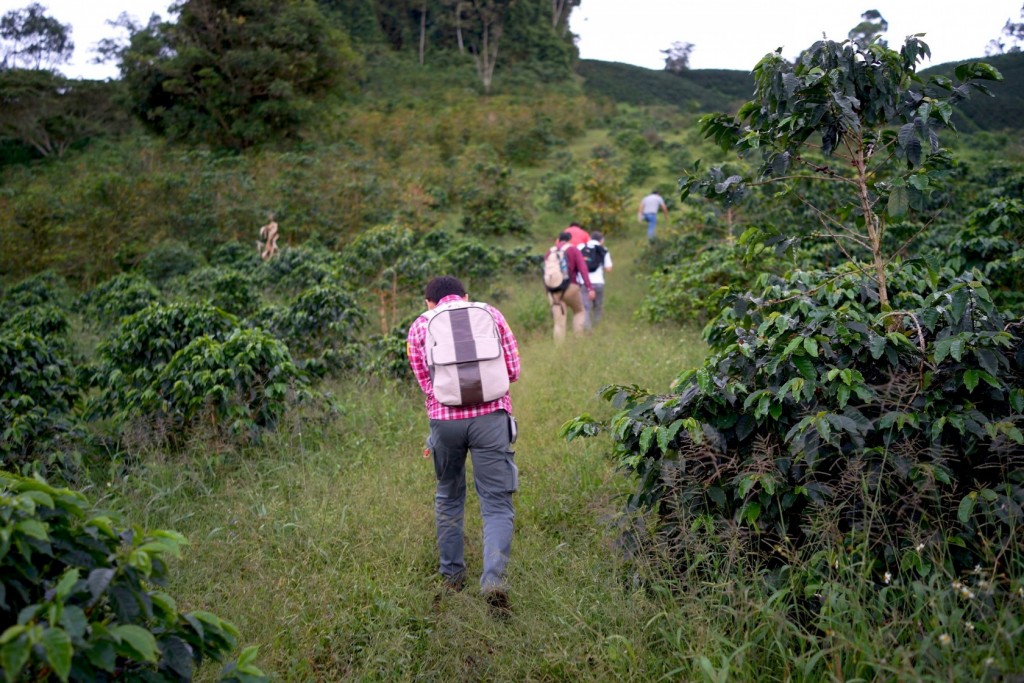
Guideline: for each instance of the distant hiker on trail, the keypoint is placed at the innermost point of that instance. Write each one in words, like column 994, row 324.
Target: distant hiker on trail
column 648, row 211
column 268, row 235
column 464, row 356
column 599, row 262
column 579, row 235
column 565, row 272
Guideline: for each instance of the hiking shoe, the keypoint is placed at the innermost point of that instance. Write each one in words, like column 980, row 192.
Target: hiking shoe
column 454, row 584
column 498, row 604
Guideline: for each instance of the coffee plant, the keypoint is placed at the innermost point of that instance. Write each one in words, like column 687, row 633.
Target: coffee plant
column 226, row 288
column 37, row 394
column 390, row 263
column 692, row 285
column 992, row 243
column 132, row 359
column 601, row 197
column 495, row 204
column 45, row 288
column 236, row 255
column 877, row 122
column 295, row 269
column 120, row 296
column 819, row 417
column 238, row 386
column 321, row 320
column 83, row 598
column 45, row 321
column 167, row 260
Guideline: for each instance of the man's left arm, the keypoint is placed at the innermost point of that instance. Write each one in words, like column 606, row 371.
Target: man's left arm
column 417, row 355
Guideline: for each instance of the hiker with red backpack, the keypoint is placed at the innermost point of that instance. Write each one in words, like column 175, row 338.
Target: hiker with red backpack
column 464, row 356
column 564, row 270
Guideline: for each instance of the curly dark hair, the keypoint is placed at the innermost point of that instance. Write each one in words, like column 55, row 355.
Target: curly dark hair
column 442, row 286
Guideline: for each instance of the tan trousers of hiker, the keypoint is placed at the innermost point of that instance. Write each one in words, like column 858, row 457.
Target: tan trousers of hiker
column 560, row 301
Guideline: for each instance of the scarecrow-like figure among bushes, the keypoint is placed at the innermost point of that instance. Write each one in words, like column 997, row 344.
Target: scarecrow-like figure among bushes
column 268, row 235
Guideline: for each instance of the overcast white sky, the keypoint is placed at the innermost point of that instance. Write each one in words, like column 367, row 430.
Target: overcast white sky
column 735, row 34
column 731, row 34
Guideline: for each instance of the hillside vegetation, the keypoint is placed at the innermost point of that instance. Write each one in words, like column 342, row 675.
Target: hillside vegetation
column 698, row 90
column 793, row 449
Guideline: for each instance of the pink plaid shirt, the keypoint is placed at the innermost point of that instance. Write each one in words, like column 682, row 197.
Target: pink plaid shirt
column 415, row 349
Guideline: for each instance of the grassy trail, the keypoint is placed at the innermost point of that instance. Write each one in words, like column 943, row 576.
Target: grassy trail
column 320, row 548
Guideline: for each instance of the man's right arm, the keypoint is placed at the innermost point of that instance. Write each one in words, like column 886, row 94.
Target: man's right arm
column 508, row 344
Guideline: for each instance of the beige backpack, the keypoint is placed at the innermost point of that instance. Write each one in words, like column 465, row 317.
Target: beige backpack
column 464, row 354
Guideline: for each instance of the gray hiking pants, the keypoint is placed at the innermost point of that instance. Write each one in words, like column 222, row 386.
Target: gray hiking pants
column 495, row 478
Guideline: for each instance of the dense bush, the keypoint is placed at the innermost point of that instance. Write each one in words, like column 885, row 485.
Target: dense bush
column 238, row 386
column 82, row 597
column 295, row 269
column 559, row 189
column 133, row 357
column 495, row 204
column 386, row 353
column 46, row 287
column 120, row 296
column 600, row 199
column 691, row 289
column 529, row 145
column 46, row 321
column 37, row 393
column 167, row 260
column 234, row 254
column 992, row 242
column 319, row 319
column 817, row 417
column 226, row 288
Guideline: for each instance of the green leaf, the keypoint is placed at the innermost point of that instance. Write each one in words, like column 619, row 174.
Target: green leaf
column 57, row 649
column 805, row 367
column 971, row 378
column 141, row 641
column 33, row 528
column 966, row 507
column 751, row 512
column 13, row 655
column 66, row 584
column 746, row 483
column 811, row 346
column 1017, row 400
column 646, row 436
column 899, row 201
column 877, row 346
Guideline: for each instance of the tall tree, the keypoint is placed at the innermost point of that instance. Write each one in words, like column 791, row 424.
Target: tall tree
column 871, row 27
column 531, row 42
column 857, row 118
column 357, row 17
column 1011, row 40
column 486, row 23
column 50, row 113
column 560, row 11
column 33, row 40
column 233, row 73
column 677, row 57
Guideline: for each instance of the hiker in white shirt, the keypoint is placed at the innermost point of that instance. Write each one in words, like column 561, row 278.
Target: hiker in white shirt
column 648, row 211
column 595, row 307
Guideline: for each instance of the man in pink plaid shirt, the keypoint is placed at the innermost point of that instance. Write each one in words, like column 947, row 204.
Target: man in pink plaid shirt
column 486, row 431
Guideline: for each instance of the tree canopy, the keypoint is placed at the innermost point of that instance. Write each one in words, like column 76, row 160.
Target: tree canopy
column 234, row 73
column 33, row 40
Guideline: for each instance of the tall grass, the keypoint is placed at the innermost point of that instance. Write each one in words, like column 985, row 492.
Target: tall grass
column 319, row 545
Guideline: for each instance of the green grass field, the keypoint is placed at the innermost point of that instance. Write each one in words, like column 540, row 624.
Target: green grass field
column 320, row 548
